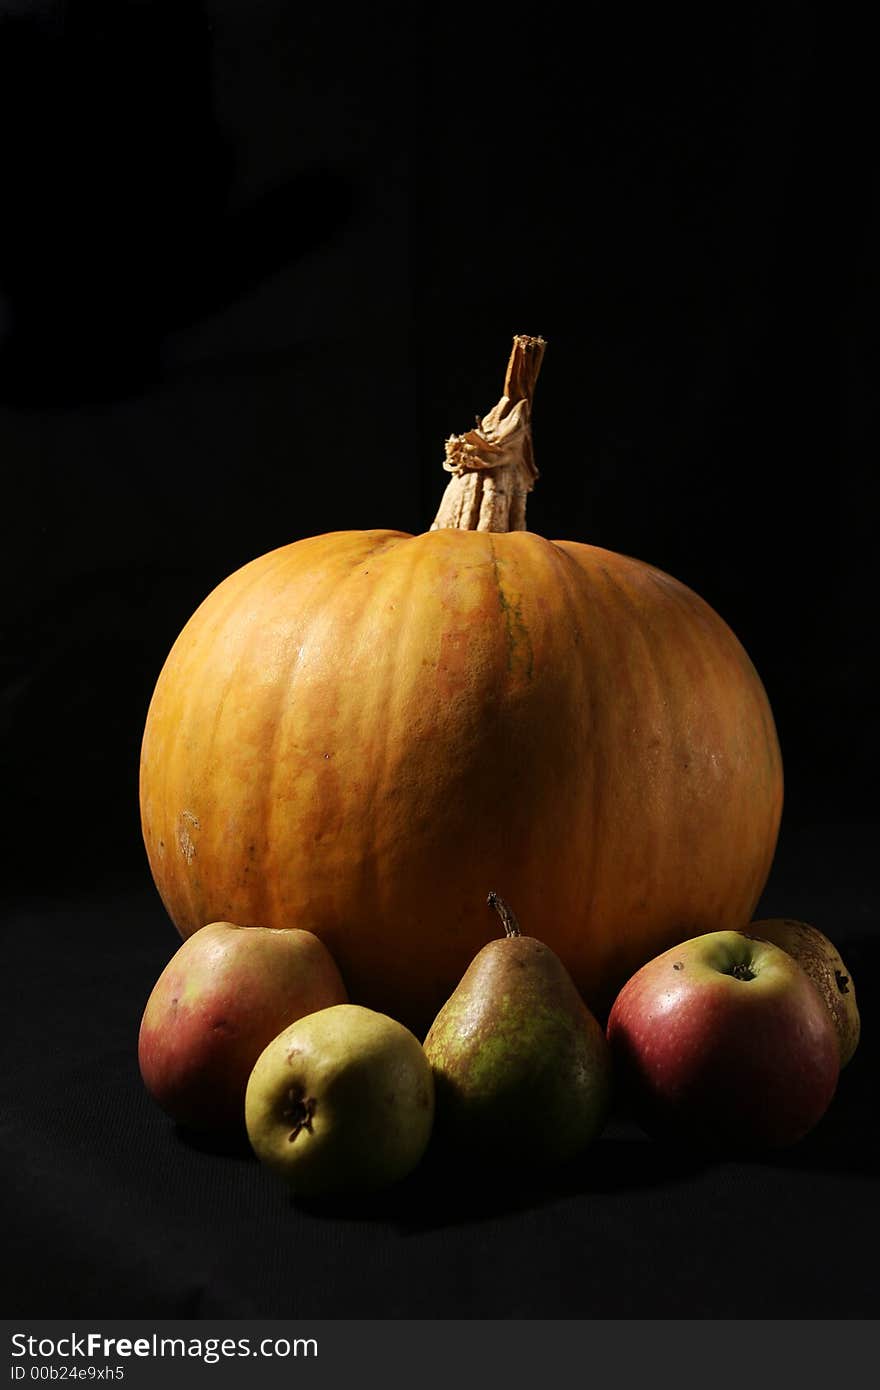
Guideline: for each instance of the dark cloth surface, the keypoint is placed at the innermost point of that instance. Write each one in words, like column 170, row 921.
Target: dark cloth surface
column 106, row 1209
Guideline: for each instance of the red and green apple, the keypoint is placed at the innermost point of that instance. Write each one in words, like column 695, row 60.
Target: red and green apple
column 223, row 996
column 726, row 1042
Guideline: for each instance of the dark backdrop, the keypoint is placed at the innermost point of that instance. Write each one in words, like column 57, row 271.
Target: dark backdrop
column 258, row 260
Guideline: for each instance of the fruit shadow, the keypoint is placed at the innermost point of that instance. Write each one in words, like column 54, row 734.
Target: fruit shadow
column 442, row 1192
column 234, row 1144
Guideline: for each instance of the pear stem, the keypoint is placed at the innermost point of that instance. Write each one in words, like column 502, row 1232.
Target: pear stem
column 511, row 925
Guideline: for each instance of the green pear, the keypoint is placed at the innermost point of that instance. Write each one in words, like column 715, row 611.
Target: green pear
column 522, row 1069
column 342, row 1100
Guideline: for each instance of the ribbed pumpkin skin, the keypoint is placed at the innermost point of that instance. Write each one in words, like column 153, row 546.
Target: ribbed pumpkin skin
column 362, row 733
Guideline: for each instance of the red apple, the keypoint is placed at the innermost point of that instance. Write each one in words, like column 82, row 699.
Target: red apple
column 725, row 1041
column 221, row 999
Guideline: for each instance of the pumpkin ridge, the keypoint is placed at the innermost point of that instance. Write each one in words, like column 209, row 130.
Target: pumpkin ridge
column 670, row 734
column 212, row 909
column 518, row 640
column 225, row 902
column 598, row 581
column 396, row 585
column 323, row 599
column 182, row 653
column 576, row 589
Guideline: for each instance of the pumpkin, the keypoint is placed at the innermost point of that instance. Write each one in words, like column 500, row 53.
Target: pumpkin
column 361, row 734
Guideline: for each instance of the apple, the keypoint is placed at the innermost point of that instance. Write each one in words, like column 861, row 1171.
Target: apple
column 225, row 993
column 724, row 1041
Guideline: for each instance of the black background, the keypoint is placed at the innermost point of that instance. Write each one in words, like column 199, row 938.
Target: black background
column 256, row 262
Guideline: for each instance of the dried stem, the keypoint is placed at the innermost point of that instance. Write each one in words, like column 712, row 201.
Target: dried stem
column 493, row 465
column 511, row 925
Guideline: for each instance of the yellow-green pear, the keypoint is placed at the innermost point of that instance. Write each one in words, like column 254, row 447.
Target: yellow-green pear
column 342, row 1100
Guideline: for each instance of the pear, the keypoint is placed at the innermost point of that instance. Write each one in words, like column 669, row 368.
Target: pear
column 522, row 1069
column 822, row 961
column 341, row 1101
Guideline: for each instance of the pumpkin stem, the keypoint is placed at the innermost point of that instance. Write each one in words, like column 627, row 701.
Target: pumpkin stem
column 493, row 465
column 511, row 925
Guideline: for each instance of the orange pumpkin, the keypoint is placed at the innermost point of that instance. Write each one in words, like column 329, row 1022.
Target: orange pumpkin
column 362, row 733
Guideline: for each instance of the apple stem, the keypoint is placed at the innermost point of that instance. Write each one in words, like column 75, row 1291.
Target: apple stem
column 742, row 972
column 511, row 925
